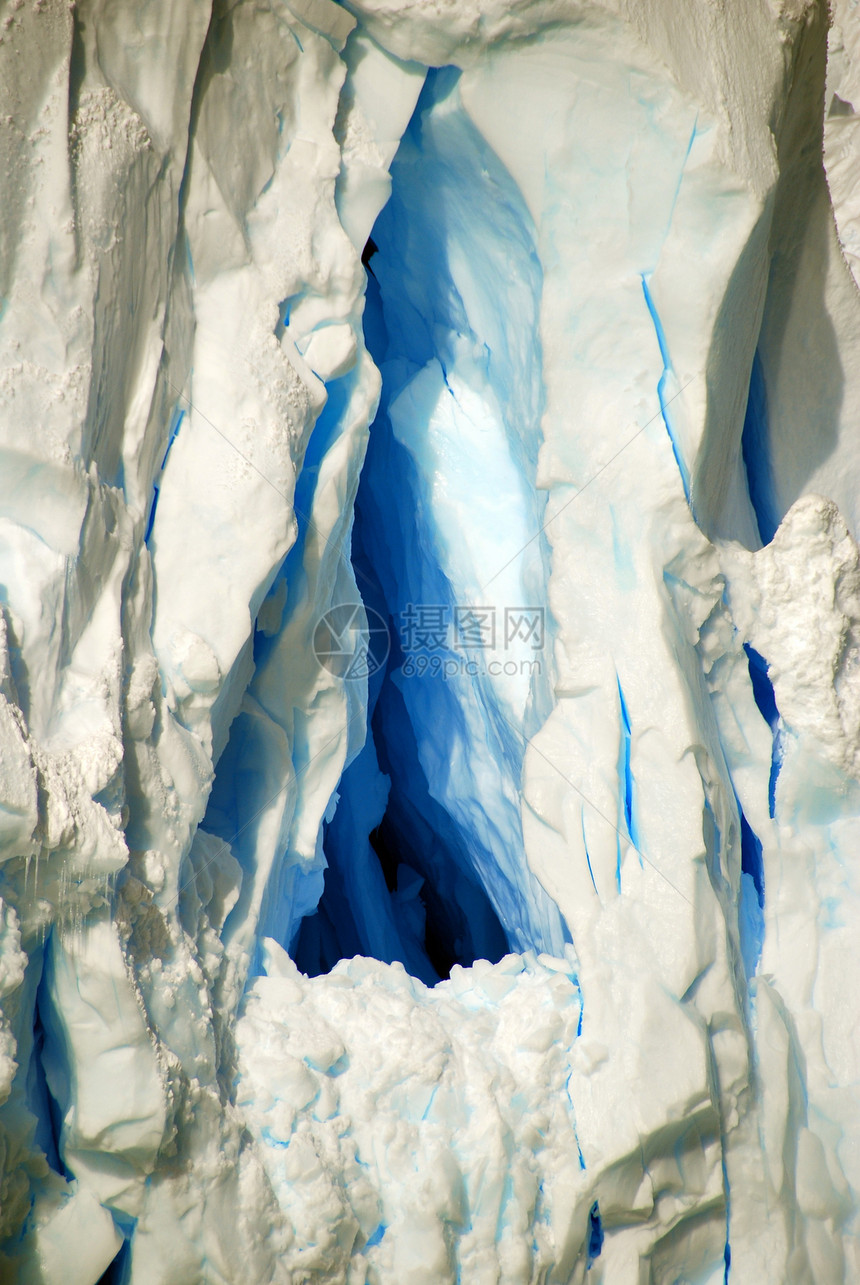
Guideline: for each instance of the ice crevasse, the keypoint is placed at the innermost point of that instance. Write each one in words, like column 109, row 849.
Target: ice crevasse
column 429, row 642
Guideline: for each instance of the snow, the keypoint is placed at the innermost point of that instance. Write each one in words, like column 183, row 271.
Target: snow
column 510, row 343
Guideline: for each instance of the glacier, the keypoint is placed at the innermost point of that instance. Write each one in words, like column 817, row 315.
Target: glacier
column 429, row 642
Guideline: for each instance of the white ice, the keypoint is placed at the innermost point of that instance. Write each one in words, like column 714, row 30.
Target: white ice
column 602, row 365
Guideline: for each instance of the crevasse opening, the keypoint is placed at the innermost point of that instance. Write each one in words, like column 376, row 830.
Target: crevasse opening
column 424, row 851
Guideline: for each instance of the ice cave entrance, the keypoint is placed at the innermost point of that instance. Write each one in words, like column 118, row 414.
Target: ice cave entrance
column 424, row 852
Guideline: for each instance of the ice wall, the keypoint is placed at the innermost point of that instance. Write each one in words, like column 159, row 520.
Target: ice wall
column 447, row 497
column 599, row 366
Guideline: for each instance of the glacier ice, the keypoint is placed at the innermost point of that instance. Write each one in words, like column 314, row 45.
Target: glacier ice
column 507, row 346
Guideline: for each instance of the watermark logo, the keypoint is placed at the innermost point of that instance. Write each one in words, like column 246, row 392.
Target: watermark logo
column 439, row 641
column 525, row 625
column 448, row 666
column 351, row 641
column 433, row 627
column 436, row 640
column 424, row 627
column 475, row 628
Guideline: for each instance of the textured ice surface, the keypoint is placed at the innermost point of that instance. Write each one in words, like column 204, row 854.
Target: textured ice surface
column 514, row 959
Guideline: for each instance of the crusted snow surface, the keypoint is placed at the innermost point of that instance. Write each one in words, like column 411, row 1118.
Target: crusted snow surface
column 448, row 1145
column 430, row 1134
column 534, row 967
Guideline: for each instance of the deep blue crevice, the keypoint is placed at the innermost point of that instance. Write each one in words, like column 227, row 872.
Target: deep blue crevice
column 727, row 1248
column 626, row 771
column 587, row 857
column 751, row 897
column 627, row 785
column 376, row 1236
column 461, row 924
column 765, row 699
column 283, row 321
column 752, row 887
column 49, row 1116
column 151, row 520
column 661, row 386
column 751, row 858
column 762, row 687
column 175, row 425
column 119, row 1271
column 398, row 885
column 755, row 449
column 595, row 1235
column 410, row 874
column 420, row 868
